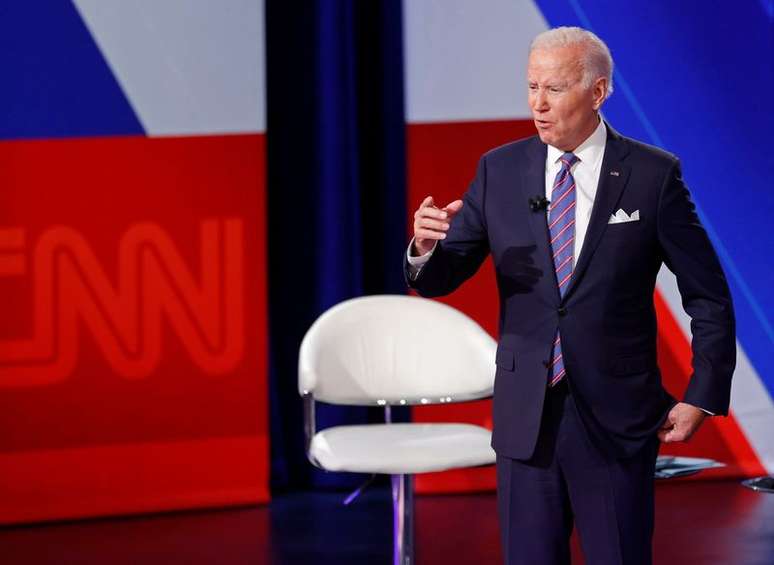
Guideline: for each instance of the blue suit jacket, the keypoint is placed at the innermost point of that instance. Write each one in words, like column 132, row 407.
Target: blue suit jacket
column 607, row 317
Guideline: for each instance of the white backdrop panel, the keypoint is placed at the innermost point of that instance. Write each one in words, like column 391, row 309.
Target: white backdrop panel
column 466, row 60
column 187, row 66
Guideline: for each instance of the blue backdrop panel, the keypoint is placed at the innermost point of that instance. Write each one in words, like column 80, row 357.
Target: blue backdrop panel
column 696, row 78
column 336, row 158
column 62, row 86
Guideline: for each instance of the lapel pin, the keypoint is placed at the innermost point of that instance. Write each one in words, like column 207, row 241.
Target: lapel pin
column 615, row 174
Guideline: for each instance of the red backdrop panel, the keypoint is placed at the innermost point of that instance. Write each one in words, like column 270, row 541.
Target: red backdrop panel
column 133, row 335
column 442, row 161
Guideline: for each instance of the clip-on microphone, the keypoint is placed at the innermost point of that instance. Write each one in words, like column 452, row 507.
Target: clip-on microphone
column 538, row 203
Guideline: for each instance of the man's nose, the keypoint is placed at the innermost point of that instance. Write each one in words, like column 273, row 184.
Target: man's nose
column 539, row 101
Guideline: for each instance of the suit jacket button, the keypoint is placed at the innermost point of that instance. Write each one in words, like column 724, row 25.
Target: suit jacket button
column 562, row 311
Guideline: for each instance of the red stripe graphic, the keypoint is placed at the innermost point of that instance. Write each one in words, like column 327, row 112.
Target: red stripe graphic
column 444, row 155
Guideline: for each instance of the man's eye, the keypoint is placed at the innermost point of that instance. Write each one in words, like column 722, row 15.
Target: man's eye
column 533, row 87
column 555, row 89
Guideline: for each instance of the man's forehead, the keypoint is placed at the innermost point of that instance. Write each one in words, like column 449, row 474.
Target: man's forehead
column 562, row 60
column 565, row 52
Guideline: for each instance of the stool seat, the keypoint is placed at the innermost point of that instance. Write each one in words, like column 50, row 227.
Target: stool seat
column 402, row 448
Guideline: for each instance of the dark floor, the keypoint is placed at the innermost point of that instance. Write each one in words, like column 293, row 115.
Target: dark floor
column 697, row 523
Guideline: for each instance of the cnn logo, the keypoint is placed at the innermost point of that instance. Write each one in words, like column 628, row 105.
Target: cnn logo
column 71, row 291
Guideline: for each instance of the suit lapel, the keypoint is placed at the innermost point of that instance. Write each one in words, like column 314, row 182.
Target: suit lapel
column 613, row 177
column 533, row 183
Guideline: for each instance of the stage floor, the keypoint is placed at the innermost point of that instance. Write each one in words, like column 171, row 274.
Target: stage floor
column 696, row 523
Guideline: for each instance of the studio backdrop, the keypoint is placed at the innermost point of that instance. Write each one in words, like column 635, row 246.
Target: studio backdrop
column 133, row 340
column 186, row 185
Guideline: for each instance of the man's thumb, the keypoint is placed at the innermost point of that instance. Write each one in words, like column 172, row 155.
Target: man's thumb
column 453, row 207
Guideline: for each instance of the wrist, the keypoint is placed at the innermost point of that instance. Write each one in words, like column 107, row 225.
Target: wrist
column 421, row 247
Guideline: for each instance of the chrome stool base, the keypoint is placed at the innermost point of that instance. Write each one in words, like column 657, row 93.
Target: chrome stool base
column 761, row 484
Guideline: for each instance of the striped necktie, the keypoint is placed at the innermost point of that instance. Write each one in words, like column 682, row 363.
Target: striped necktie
column 561, row 229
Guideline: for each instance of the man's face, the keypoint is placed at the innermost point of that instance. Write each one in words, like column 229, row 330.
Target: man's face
column 564, row 111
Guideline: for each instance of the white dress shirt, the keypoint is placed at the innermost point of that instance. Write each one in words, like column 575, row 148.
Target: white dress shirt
column 586, row 174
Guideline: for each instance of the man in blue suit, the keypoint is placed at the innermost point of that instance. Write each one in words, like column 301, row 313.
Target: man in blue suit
column 579, row 220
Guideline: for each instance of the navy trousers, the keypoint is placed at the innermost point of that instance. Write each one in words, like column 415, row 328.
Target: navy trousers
column 567, row 482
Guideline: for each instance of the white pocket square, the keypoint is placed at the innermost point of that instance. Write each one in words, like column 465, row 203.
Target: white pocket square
column 621, row 217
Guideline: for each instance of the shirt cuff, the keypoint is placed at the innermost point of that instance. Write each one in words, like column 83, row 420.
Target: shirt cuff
column 415, row 263
column 418, row 261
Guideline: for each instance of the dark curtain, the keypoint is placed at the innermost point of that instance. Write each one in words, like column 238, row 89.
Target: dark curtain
column 336, row 191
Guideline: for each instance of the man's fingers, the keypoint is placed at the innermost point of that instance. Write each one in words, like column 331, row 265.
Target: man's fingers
column 670, row 436
column 428, row 234
column 429, row 223
column 677, row 435
column 428, row 212
column 674, row 434
column 665, row 432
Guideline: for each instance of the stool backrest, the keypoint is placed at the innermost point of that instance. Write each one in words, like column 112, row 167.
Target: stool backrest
column 394, row 349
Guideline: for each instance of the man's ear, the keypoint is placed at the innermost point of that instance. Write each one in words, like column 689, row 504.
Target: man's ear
column 599, row 92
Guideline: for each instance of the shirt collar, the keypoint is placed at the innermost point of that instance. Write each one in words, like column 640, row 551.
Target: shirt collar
column 589, row 152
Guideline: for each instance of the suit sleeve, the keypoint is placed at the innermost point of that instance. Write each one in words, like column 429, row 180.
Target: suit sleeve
column 458, row 257
column 689, row 254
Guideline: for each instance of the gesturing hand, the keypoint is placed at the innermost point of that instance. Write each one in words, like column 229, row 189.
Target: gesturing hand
column 431, row 223
column 681, row 423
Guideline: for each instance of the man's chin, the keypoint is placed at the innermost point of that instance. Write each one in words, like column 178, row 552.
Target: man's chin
column 553, row 140
column 546, row 137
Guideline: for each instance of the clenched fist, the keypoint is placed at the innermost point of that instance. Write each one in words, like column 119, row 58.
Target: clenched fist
column 431, row 223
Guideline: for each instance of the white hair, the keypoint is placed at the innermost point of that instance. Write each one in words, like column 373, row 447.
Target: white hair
column 596, row 59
